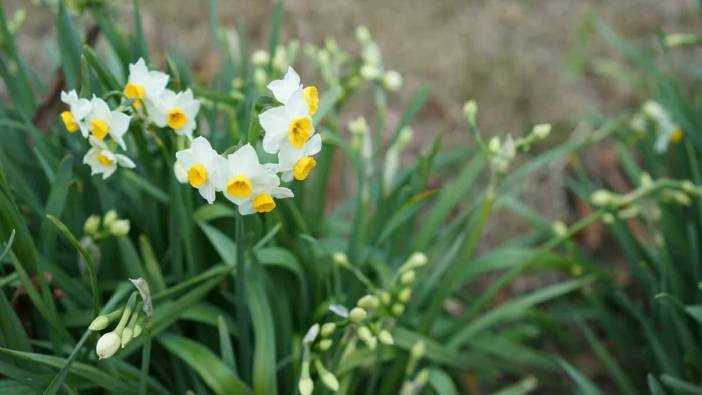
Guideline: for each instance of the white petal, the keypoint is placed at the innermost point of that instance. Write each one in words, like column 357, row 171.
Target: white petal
column 246, row 208
column 207, row 191
column 313, row 145
column 118, row 127
column 297, row 104
column 80, row 109
column 124, row 161
column 282, row 89
column 274, row 122
column 108, row 170
column 282, row 193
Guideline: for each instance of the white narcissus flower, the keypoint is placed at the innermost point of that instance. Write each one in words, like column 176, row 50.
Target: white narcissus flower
column 143, row 84
column 101, row 121
column 200, row 163
column 177, row 111
column 249, row 184
column 78, row 109
column 292, row 121
column 297, row 163
column 667, row 130
column 103, row 161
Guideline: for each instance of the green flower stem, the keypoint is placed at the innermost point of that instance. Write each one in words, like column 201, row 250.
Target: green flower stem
column 242, row 316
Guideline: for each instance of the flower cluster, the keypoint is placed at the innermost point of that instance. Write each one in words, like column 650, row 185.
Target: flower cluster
column 370, row 321
column 145, row 97
column 240, row 176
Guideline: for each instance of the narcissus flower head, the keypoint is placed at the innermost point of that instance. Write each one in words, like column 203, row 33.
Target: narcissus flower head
column 103, row 161
column 78, row 110
column 297, row 163
column 247, row 183
column 292, row 122
column 177, row 111
column 101, row 122
column 108, row 344
column 200, row 163
column 144, row 84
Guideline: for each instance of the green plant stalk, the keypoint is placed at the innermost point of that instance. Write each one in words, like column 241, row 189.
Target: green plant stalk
column 453, row 275
column 242, row 313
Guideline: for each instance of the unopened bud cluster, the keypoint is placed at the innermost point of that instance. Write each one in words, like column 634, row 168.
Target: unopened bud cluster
column 109, row 225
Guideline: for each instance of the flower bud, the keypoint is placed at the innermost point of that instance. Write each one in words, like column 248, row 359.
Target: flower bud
column 306, row 386
column 363, row 34
column 126, row 336
column 260, row 58
column 418, row 350
column 109, row 218
column 341, row 260
column 601, row 198
column 358, row 314
column 325, row 344
column 645, row 181
column 92, row 224
column 328, row 329
column 137, row 330
column 404, row 295
column 688, row 186
column 311, row 334
column 386, row 338
column 398, row 309
column 418, row 259
column 107, row 345
column 494, row 145
column 385, row 297
column 541, row 131
column 370, row 72
column 119, row 227
column 260, row 77
column 408, row 278
column 365, row 334
column 358, row 126
column 326, row 376
column 470, row 110
column 392, row 80
column 608, row 218
column 369, row 302
column 559, row 228
column 99, row 323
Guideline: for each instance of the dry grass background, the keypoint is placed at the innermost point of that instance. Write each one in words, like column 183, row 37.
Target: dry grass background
column 509, row 55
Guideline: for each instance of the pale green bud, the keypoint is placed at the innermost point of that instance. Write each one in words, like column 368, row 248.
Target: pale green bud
column 398, row 309
column 678, row 39
column 260, row 58
column 404, row 295
column 364, row 333
column 328, row 329
column 494, row 145
column 341, row 259
column 363, row 34
column 608, row 218
column 107, row 345
column 392, row 80
column 386, row 338
column 119, row 227
column 324, row 344
column 306, row 386
column 358, row 314
column 370, row 71
column 559, row 228
column 688, row 186
column 137, row 330
column 109, row 218
column 126, row 336
column 422, row 377
column 326, row 376
column 359, row 126
column 681, row 198
column 260, row 76
column 408, row 278
column 418, row 350
column 418, row 259
column 92, row 224
column 601, row 198
column 470, row 110
column 99, row 323
column 369, row 302
column 541, row 131
column 385, row 297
